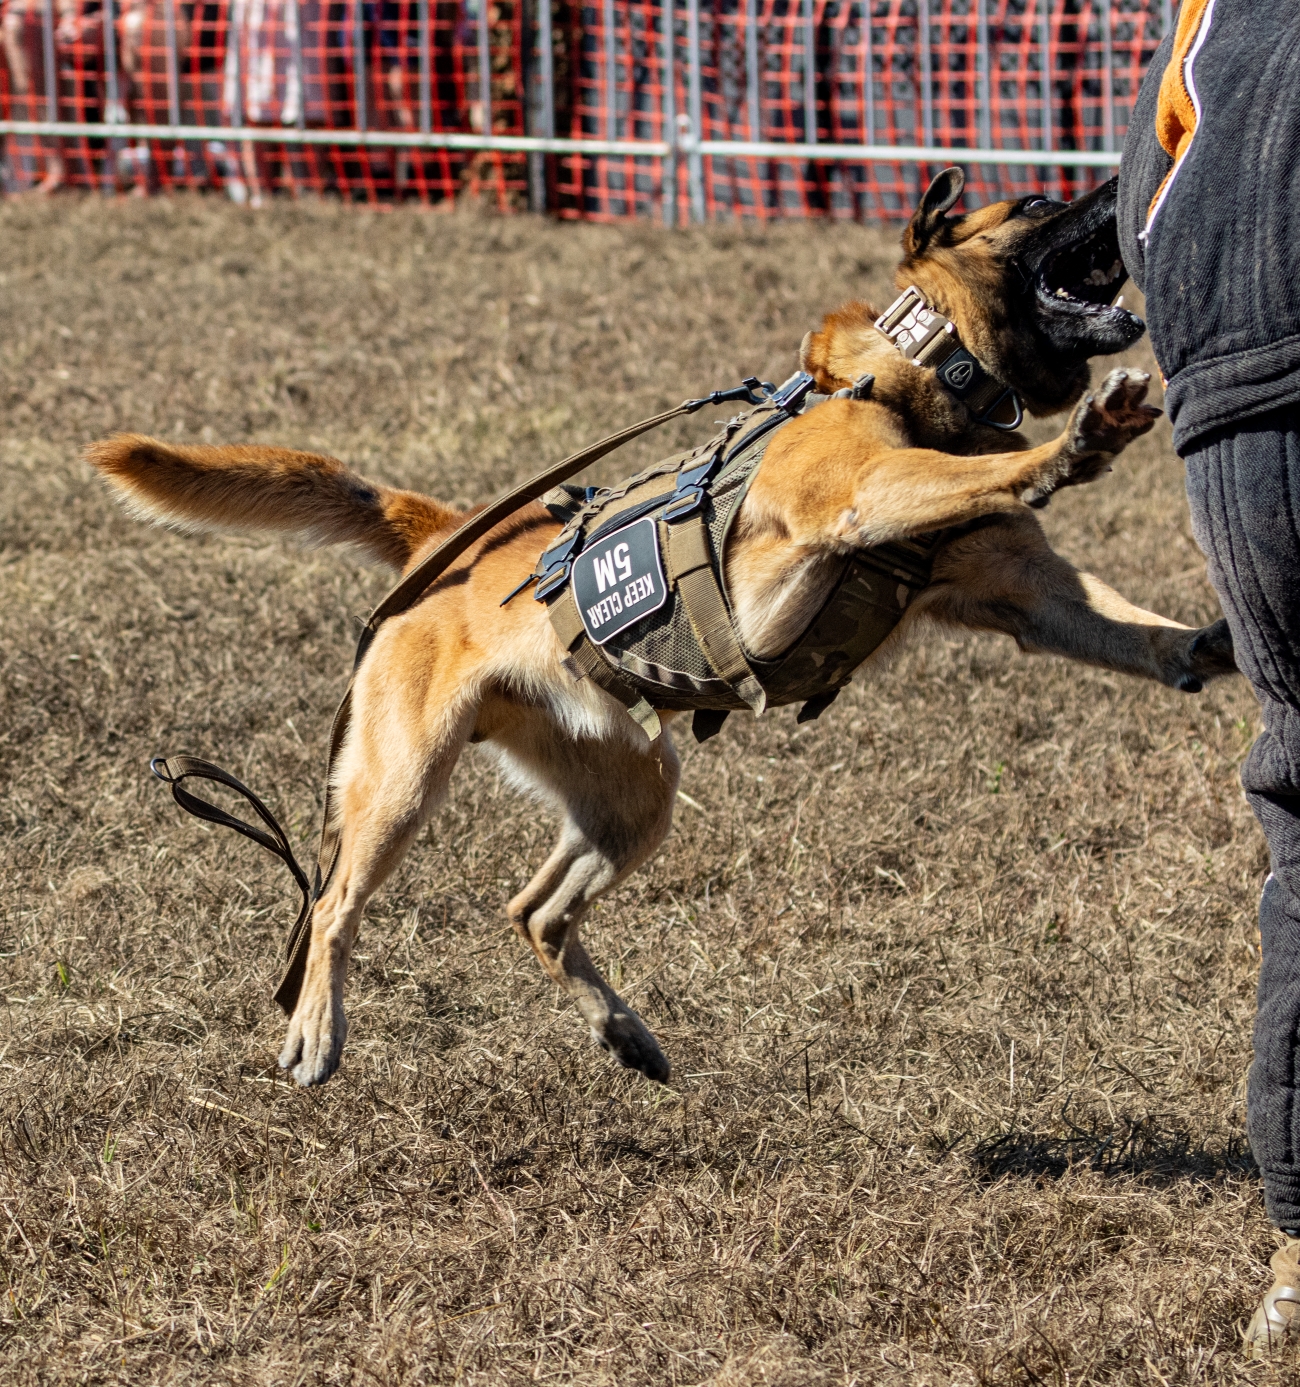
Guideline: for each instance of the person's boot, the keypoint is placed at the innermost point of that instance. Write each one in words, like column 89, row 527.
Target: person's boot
column 1277, row 1320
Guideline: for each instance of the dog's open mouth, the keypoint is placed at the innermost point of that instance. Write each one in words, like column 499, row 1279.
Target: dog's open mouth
column 1085, row 275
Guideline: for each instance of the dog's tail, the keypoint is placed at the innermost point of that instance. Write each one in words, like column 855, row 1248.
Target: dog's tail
column 246, row 487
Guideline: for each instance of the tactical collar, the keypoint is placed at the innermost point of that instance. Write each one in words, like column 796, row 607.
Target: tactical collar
column 927, row 338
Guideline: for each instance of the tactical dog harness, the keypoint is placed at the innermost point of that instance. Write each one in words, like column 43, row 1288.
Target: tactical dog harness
column 636, row 590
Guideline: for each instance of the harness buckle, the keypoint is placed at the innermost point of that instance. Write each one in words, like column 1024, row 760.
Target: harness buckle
column 557, row 553
column 552, row 581
column 686, row 501
column 792, row 392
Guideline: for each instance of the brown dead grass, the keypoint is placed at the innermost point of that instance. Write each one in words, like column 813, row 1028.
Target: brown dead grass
column 957, row 982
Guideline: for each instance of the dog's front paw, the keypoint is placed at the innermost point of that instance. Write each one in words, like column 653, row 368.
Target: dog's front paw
column 314, row 1043
column 1105, row 422
column 1209, row 655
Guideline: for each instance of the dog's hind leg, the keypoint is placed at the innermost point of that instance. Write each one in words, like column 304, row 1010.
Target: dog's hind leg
column 392, row 774
column 617, row 801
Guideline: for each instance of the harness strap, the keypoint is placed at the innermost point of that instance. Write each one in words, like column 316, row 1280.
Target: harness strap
column 690, row 567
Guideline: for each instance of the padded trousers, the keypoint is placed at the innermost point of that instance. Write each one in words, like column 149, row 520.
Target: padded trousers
column 1243, row 485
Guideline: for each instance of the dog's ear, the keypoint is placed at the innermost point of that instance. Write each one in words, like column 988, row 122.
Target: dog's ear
column 939, row 198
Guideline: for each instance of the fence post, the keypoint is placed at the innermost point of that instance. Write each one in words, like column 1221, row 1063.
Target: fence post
column 810, row 71
column 484, row 65
column 753, row 107
column 173, row 64
column 611, row 69
column 1045, row 67
column 1107, row 76
column 868, row 75
column 535, row 66
column 984, row 135
column 114, row 114
column 359, row 61
column 426, row 84
column 694, row 159
column 298, row 75
column 547, row 42
column 51, row 76
column 926, row 64
column 668, row 167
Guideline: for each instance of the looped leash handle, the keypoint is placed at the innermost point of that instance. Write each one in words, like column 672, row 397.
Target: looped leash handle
column 174, row 771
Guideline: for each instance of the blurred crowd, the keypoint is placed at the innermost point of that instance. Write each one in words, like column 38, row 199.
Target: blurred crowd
column 289, row 64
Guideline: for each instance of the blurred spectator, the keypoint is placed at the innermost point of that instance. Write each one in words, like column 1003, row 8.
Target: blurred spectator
column 143, row 88
column 31, row 74
column 398, row 101
column 277, row 60
column 145, row 75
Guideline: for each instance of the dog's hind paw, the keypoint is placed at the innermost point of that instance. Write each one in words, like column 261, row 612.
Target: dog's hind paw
column 627, row 1040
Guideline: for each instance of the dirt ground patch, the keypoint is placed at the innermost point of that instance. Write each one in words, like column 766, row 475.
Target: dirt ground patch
column 957, row 981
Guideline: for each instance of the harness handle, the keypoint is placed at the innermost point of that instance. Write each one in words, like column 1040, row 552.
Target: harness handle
column 400, row 598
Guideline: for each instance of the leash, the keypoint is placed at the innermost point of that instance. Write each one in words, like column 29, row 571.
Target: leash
column 174, row 771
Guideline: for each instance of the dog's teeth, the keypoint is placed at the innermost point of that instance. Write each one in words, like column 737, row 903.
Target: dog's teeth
column 1062, row 294
column 1119, row 302
column 1100, row 276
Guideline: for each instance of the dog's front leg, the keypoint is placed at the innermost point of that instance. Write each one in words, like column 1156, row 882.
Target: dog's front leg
column 844, row 478
column 1004, row 576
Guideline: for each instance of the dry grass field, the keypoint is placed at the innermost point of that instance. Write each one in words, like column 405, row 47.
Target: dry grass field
column 957, row 982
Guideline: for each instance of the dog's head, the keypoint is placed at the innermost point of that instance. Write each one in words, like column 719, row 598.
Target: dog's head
column 1029, row 283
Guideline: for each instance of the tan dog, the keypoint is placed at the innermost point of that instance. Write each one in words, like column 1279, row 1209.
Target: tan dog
column 1028, row 285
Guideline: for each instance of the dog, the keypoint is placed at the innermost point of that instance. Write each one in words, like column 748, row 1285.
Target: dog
column 1028, row 285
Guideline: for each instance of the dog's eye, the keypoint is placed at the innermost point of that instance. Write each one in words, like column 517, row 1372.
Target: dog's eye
column 1037, row 205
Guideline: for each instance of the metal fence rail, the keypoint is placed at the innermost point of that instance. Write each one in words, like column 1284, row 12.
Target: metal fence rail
column 678, row 109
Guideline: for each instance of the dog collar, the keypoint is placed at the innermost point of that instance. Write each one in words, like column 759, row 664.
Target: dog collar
column 927, row 338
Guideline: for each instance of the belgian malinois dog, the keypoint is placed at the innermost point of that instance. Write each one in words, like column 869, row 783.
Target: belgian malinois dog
column 1028, row 285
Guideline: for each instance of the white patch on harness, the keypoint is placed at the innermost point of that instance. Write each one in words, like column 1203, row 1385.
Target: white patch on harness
column 619, row 580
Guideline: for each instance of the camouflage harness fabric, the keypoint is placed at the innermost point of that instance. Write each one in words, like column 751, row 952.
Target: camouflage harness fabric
column 686, row 654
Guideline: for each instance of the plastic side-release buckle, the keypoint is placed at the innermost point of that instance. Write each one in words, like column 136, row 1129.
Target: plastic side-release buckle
column 685, row 502
column 790, row 394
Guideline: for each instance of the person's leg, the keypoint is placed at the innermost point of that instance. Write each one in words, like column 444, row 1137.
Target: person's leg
column 1244, row 492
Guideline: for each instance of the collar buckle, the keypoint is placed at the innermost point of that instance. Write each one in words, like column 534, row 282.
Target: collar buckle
column 926, row 338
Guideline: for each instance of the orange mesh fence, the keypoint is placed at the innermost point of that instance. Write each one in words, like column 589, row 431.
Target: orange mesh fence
column 1043, row 75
